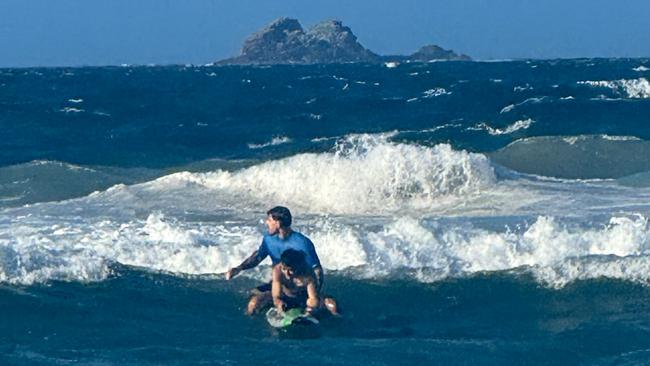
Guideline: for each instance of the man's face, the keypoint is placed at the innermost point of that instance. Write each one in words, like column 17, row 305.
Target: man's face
column 286, row 270
column 272, row 225
column 290, row 274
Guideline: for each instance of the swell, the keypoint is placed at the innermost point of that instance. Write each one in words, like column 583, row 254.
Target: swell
column 576, row 157
column 45, row 181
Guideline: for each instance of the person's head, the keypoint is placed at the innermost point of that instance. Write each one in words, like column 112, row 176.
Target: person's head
column 278, row 218
column 293, row 263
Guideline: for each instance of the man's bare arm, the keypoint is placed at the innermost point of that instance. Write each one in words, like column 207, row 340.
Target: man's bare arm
column 248, row 263
column 276, row 289
column 312, row 296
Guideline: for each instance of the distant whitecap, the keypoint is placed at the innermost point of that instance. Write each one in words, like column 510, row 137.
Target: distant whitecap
column 279, row 140
column 71, row 110
column 632, row 88
column 518, row 125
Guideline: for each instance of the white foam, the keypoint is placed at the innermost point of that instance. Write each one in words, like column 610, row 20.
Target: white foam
column 372, row 207
column 441, row 127
column 523, row 88
column 321, row 139
column 365, row 174
column 60, row 164
column 507, row 108
column 620, row 138
column 76, row 101
column 435, row 92
column 391, row 65
column 71, row 110
column 516, row 126
column 278, row 140
column 34, row 250
column 573, row 139
column 555, row 254
column 633, row 88
column 82, row 242
column 641, row 68
column 534, row 100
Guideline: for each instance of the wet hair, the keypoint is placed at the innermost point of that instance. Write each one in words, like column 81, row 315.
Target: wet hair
column 295, row 259
column 281, row 214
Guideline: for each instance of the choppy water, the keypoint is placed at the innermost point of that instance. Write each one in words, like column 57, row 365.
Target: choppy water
column 466, row 212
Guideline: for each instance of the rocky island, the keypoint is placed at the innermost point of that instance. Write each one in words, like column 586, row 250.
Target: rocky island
column 284, row 41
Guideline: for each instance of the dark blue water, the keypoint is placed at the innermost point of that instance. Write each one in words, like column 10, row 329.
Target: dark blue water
column 149, row 319
column 467, row 213
column 169, row 116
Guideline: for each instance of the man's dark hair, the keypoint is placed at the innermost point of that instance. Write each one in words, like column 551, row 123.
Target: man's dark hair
column 281, row 214
column 295, row 259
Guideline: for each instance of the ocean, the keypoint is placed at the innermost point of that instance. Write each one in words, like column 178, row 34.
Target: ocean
column 466, row 213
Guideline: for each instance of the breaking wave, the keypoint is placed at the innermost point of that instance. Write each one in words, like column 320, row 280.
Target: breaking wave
column 424, row 250
column 365, row 174
column 629, row 88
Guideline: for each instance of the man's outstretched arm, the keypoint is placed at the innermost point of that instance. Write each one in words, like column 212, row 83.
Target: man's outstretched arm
column 248, row 263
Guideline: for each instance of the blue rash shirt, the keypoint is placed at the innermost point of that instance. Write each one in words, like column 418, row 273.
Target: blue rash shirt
column 273, row 246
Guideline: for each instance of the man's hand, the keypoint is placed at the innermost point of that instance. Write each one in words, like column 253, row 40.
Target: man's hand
column 249, row 262
column 280, row 305
column 309, row 311
column 232, row 272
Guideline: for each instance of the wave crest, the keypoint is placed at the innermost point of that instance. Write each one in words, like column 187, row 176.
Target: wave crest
column 364, row 174
column 632, row 88
column 424, row 250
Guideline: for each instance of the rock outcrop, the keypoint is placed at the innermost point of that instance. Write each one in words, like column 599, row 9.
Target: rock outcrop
column 433, row 52
column 285, row 42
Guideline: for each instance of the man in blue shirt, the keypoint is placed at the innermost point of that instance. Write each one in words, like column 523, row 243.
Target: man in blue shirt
column 280, row 237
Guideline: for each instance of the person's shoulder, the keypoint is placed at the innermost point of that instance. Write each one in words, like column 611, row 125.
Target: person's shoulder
column 307, row 241
column 270, row 240
column 268, row 237
column 276, row 273
column 301, row 236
